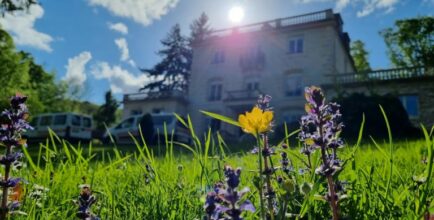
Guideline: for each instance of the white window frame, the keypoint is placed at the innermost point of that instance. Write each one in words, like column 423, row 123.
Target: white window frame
column 294, row 46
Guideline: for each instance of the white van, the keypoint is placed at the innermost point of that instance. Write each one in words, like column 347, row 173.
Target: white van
column 121, row 132
column 69, row 126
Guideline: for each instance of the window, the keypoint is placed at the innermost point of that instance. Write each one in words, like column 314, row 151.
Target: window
column 252, row 59
column 59, row 119
column 127, row 123
column 296, row 45
column 45, row 121
column 411, row 105
column 34, row 122
column 161, row 120
column 157, row 110
column 136, row 112
column 253, row 86
column 215, row 92
column 219, row 57
column 294, row 86
column 76, row 120
column 87, row 122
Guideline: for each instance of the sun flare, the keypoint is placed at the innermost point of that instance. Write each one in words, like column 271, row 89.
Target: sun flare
column 236, row 14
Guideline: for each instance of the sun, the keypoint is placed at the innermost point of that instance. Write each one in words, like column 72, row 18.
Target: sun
column 236, row 14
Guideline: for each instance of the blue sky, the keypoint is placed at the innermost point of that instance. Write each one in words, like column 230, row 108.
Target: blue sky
column 100, row 44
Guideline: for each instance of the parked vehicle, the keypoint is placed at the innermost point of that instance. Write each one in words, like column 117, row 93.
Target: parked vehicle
column 69, row 126
column 121, row 132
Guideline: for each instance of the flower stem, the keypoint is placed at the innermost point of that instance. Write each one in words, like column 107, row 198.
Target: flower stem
column 4, row 204
column 267, row 177
column 261, row 200
column 333, row 200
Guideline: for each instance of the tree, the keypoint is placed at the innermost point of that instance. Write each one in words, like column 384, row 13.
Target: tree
column 14, row 5
column 360, row 56
column 411, row 42
column 173, row 72
column 14, row 72
column 199, row 28
column 106, row 113
column 42, row 83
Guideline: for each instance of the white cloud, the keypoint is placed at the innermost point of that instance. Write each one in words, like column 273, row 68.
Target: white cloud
column 75, row 70
column 372, row 5
column 341, row 4
column 125, row 53
column 123, row 46
column 119, row 27
column 141, row 11
column 21, row 26
column 121, row 80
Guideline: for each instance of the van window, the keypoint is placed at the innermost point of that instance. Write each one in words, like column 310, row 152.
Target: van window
column 75, row 120
column 45, row 120
column 159, row 120
column 59, row 119
column 34, row 121
column 128, row 123
column 86, row 122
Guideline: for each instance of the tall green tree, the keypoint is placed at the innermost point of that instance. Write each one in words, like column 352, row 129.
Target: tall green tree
column 50, row 94
column 411, row 42
column 14, row 72
column 20, row 74
column 360, row 56
column 173, row 72
column 200, row 28
column 106, row 113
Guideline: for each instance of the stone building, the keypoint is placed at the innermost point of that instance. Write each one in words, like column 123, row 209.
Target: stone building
column 279, row 57
column 413, row 86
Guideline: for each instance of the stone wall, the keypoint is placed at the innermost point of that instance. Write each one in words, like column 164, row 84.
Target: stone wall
column 421, row 87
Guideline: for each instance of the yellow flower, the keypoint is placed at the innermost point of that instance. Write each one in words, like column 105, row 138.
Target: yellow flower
column 256, row 121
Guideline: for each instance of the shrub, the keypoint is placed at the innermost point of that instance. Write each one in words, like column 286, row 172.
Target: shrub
column 147, row 126
column 357, row 104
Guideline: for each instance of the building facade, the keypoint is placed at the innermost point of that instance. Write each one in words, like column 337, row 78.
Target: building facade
column 279, row 58
column 231, row 67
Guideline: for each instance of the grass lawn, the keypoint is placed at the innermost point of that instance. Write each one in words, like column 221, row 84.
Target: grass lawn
column 133, row 182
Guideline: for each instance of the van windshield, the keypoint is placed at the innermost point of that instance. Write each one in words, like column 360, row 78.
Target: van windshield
column 59, row 119
column 45, row 121
column 159, row 120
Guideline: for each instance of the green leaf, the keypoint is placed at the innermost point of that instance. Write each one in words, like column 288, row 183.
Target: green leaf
column 221, row 118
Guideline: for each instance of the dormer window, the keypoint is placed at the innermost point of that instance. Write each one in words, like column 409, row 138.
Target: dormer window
column 295, row 45
column 219, row 57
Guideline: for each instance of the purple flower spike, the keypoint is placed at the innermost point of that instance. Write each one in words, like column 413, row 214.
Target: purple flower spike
column 225, row 202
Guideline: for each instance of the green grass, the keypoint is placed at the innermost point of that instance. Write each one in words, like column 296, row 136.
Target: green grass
column 182, row 175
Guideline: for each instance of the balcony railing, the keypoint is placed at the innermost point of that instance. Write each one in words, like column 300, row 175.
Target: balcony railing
column 277, row 23
column 383, row 75
column 241, row 95
column 154, row 95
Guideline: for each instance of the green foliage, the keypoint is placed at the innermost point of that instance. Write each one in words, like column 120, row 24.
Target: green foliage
column 360, row 56
column 20, row 73
column 106, row 113
column 411, row 42
column 140, row 184
column 199, row 28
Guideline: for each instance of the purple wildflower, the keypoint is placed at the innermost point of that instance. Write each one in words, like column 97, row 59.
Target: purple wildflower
column 226, row 201
column 320, row 129
column 84, row 202
column 14, row 124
